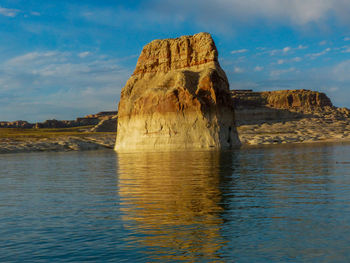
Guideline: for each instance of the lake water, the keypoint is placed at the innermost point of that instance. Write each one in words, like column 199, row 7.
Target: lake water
column 268, row 204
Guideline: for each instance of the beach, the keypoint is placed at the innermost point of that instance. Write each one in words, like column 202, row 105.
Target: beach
column 53, row 140
column 305, row 130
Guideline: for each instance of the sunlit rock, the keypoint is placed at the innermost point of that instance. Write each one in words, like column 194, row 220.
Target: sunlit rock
column 177, row 98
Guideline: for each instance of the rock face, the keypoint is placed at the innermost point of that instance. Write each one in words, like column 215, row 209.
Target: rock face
column 16, row 124
column 282, row 99
column 296, row 99
column 106, row 124
column 102, row 114
column 258, row 107
column 177, row 98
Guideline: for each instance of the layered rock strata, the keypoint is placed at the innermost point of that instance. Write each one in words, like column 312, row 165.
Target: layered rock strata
column 105, row 120
column 107, row 124
column 177, row 98
column 276, row 106
column 289, row 116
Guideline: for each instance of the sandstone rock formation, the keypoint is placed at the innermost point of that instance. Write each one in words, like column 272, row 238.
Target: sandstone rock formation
column 16, row 124
column 88, row 120
column 296, row 99
column 258, row 107
column 106, row 124
column 177, row 98
column 282, row 99
column 102, row 114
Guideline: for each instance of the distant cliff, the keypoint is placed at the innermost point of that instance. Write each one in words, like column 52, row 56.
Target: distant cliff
column 258, row 107
column 104, row 120
column 282, row 99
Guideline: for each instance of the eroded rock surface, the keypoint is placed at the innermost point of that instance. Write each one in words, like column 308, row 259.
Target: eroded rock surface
column 289, row 116
column 177, row 98
column 283, row 105
column 106, row 124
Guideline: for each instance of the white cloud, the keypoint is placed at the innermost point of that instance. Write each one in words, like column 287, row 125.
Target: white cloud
column 291, row 12
column 59, row 81
column 346, row 50
column 322, row 43
column 297, row 59
column 84, row 54
column 333, row 89
column 302, row 47
column 239, row 51
column 286, row 49
column 341, row 71
column 33, row 57
column 238, row 70
column 346, row 38
column 258, row 68
column 316, row 55
column 9, row 12
column 280, row 61
column 277, row 73
column 35, row 13
column 274, row 52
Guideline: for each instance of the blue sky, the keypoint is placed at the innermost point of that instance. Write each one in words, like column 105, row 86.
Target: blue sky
column 64, row 59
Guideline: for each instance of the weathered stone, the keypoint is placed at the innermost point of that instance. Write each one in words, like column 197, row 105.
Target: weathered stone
column 297, row 99
column 277, row 106
column 102, row 114
column 282, row 99
column 177, row 98
column 16, row 124
column 55, row 124
column 107, row 124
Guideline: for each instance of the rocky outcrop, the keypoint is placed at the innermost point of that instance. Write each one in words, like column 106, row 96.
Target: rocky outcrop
column 177, row 98
column 107, row 124
column 55, row 124
column 88, row 120
column 297, row 99
column 16, row 124
column 102, row 114
column 282, row 99
column 258, row 107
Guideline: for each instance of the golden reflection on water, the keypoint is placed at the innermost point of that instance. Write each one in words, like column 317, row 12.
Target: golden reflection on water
column 173, row 200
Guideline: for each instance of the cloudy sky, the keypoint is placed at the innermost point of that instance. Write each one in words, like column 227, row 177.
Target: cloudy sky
column 62, row 59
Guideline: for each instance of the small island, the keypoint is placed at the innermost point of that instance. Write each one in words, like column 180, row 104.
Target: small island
column 177, row 98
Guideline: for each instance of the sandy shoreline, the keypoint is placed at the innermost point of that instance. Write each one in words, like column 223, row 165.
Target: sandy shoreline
column 306, row 130
column 61, row 143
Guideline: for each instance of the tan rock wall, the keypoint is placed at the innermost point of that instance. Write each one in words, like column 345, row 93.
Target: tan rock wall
column 278, row 106
column 177, row 98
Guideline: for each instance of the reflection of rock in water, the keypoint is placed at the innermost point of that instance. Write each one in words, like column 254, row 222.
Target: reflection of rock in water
column 175, row 201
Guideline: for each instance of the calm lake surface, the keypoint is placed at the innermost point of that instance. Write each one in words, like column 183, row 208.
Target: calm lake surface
column 269, row 204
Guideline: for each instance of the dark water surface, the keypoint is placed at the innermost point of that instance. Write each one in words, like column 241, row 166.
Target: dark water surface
column 272, row 204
